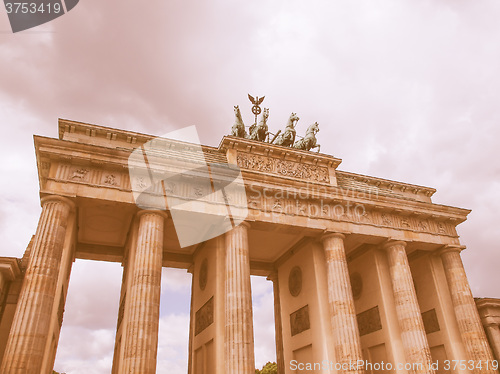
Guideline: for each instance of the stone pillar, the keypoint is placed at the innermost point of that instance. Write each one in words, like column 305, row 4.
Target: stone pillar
column 239, row 350
column 469, row 322
column 278, row 329
column 35, row 307
column 141, row 339
column 191, row 324
column 345, row 330
column 413, row 335
column 493, row 332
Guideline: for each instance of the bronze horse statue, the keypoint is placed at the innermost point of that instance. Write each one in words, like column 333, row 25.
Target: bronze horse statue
column 308, row 142
column 238, row 128
column 260, row 131
column 287, row 138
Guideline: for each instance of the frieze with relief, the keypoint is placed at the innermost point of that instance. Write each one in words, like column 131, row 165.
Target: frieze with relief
column 277, row 202
column 283, row 167
column 89, row 175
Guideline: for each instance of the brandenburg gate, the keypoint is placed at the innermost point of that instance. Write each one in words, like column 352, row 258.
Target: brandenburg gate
column 365, row 270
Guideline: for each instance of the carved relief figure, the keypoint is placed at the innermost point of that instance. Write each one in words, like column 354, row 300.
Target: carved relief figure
column 386, row 220
column 79, row 174
column 308, row 142
column 365, row 217
column 441, row 229
column 253, row 201
column 260, row 131
column 110, row 179
column 169, row 187
column 277, row 205
column 299, row 320
column 198, row 191
column 404, row 222
column 255, row 162
column 141, row 183
column 422, row 226
column 238, row 128
column 287, row 138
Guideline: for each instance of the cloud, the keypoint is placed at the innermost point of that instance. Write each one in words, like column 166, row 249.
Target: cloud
column 263, row 321
column 176, row 280
column 173, row 344
column 86, row 343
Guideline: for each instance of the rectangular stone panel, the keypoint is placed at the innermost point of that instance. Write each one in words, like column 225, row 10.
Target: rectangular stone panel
column 299, row 320
column 304, row 357
column 204, row 316
column 377, row 355
column 369, row 321
column 210, row 356
column 199, row 361
column 431, row 323
column 438, row 354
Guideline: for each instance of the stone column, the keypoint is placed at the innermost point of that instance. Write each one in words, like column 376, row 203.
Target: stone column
column 191, row 324
column 493, row 332
column 35, row 307
column 141, row 339
column 469, row 322
column 413, row 335
column 345, row 330
column 278, row 329
column 239, row 350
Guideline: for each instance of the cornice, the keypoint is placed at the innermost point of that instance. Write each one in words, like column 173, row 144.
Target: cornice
column 277, row 151
column 135, row 139
column 389, row 184
column 487, row 302
column 386, row 203
column 9, row 267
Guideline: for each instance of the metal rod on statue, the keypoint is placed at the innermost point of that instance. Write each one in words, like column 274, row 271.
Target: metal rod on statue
column 256, row 102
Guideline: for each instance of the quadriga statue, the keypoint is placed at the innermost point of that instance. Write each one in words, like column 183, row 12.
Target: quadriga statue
column 308, row 142
column 287, row 138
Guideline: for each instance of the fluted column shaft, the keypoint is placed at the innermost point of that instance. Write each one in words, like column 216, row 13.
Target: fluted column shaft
column 239, row 350
column 410, row 320
column 278, row 328
column 30, row 327
column 342, row 314
column 141, row 340
column 469, row 322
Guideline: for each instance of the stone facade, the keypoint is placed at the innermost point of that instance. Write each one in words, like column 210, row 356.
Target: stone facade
column 364, row 269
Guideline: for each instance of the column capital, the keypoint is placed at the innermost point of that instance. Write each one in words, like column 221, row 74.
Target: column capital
column 48, row 198
column 273, row 276
column 161, row 213
column 245, row 224
column 450, row 248
column 331, row 234
column 391, row 243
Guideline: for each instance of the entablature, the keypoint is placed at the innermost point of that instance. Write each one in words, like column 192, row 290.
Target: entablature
column 284, row 185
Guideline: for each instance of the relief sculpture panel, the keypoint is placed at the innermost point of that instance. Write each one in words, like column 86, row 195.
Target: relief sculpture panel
column 283, row 167
column 299, row 320
column 369, row 321
column 277, row 202
column 204, row 316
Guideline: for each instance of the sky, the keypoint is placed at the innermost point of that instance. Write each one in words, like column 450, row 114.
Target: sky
column 402, row 90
